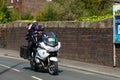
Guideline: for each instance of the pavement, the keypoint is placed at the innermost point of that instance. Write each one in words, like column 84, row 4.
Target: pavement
column 93, row 68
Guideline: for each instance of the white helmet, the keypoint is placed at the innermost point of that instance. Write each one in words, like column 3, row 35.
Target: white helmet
column 34, row 21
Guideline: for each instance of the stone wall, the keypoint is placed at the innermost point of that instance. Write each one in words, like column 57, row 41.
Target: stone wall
column 82, row 41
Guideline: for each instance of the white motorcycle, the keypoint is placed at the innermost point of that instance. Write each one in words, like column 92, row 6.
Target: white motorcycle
column 46, row 54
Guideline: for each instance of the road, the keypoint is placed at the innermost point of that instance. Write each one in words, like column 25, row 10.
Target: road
column 16, row 69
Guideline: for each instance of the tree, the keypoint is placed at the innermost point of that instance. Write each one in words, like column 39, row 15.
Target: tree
column 73, row 9
column 97, row 7
column 47, row 14
column 7, row 15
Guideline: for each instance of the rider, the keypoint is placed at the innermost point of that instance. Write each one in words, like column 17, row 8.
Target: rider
column 31, row 28
column 34, row 34
column 40, row 30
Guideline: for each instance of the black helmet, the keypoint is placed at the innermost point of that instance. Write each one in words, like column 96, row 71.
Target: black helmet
column 40, row 28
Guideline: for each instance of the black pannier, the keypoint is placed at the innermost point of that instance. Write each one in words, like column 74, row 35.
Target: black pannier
column 24, row 52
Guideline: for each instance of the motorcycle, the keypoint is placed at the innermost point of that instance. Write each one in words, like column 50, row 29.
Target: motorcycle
column 46, row 54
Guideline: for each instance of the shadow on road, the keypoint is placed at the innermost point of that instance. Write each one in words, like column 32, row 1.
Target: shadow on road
column 41, row 70
column 6, row 70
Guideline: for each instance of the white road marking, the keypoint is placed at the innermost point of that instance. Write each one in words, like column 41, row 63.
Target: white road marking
column 10, row 68
column 76, row 70
column 12, row 57
column 36, row 78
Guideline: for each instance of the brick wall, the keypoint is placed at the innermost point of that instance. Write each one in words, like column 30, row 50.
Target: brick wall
column 79, row 41
column 32, row 6
column 86, row 44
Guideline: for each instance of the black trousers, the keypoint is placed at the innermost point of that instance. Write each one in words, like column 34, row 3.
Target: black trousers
column 32, row 49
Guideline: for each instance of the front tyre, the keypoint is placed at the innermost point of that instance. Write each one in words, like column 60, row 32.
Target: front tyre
column 53, row 68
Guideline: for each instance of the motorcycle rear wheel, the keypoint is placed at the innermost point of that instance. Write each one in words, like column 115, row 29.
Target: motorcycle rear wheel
column 33, row 65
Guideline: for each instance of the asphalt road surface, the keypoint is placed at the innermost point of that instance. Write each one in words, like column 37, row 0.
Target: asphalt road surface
column 16, row 69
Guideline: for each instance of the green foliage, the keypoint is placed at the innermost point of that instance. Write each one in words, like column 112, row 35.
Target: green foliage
column 95, row 18
column 14, row 15
column 117, row 13
column 4, row 14
column 72, row 10
column 68, row 9
column 47, row 14
column 62, row 10
column 7, row 15
column 26, row 16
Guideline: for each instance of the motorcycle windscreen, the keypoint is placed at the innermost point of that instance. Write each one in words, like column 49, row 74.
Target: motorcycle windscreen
column 50, row 39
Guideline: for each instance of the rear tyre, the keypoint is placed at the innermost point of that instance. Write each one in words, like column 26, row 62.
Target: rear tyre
column 33, row 65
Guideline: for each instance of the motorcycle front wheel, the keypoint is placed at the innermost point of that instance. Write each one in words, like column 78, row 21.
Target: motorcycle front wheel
column 53, row 68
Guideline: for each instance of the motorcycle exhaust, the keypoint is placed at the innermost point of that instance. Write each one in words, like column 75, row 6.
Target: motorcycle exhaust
column 53, row 59
column 37, row 60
